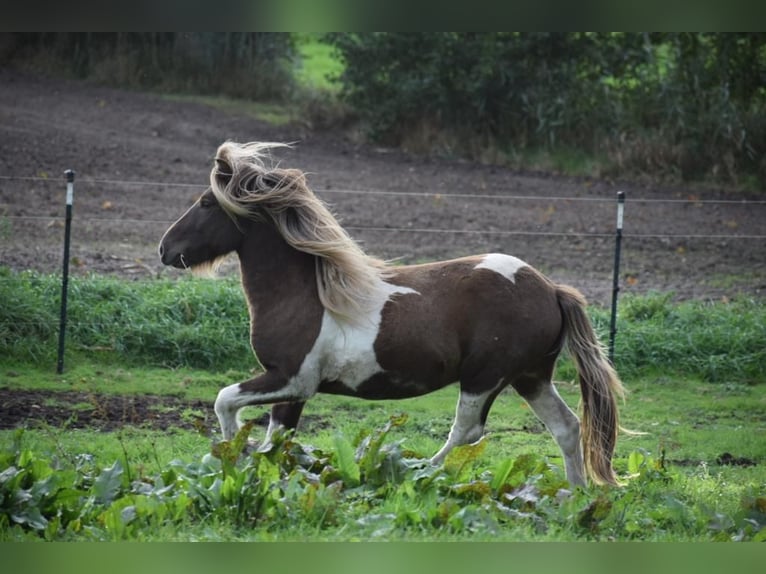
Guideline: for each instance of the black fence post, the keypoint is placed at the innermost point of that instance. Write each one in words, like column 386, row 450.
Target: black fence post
column 65, row 276
column 616, row 279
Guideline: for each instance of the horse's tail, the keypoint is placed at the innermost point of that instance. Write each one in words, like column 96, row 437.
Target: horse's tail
column 599, row 385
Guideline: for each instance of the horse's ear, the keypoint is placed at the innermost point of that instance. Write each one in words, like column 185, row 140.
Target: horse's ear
column 271, row 179
column 222, row 172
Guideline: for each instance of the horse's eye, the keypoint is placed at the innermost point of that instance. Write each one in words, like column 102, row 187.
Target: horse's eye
column 207, row 202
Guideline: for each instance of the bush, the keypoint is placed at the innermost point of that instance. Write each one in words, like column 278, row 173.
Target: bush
column 252, row 65
column 682, row 105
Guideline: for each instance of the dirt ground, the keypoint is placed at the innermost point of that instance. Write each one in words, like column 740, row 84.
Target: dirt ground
column 141, row 159
column 78, row 410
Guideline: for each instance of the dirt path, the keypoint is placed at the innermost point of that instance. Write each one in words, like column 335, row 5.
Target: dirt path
column 110, row 137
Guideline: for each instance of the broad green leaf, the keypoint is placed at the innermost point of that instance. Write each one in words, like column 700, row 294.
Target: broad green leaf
column 44, row 488
column 635, row 461
column 31, row 517
column 590, row 517
column 459, row 457
column 476, row 490
column 527, row 465
column 347, row 466
column 396, row 420
column 8, row 475
column 107, row 485
column 368, row 453
column 527, row 495
column 229, row 489
column 501, row 473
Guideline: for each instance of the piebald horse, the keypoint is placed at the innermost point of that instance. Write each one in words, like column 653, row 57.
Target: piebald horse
column 328, row 318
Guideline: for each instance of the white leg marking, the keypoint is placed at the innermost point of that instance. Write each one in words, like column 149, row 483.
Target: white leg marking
column 505, row 265
column 232, row 398
column 227, row 405
column 267, row 440
column 227, row 410
column 467, row 426
column 564, row 425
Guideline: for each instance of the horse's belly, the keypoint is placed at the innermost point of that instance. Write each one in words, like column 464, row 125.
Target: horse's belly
column 382, row 386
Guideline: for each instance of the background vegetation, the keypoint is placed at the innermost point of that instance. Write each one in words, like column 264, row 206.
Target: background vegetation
column 686, row 104
column 256, row 66
column 673, row 106
column 203, row 324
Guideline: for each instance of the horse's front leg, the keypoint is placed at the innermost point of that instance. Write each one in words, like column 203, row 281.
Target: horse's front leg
column 270, row 387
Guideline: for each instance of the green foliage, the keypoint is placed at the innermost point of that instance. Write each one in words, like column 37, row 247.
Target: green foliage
column 195, row 323
column 296, row 486
column 319, row 63
column 686, row 105
column 719, row 342
column 204, row 324
column 253, row 65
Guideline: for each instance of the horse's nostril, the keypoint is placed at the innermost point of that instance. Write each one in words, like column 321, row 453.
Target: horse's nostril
column 161, row 250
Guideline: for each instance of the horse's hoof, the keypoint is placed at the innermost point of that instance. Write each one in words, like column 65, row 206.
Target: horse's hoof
column 265, row 447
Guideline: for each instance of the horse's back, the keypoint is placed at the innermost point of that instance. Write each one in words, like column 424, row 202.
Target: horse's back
column 482, row 312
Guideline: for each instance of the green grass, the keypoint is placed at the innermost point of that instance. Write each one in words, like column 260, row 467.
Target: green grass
column 90, row 374
column 319, row 63
column 682, row 491
column 692, row 422
column 716, row 341
column 202, row 323
column 679, row 491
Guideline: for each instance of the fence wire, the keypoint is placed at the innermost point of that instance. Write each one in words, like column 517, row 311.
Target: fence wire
column 363, row 228
column 428, row 194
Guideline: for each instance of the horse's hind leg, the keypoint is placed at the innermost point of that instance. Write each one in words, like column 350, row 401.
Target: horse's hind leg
column 283, row 415
column 470, row 418
column 564, row 425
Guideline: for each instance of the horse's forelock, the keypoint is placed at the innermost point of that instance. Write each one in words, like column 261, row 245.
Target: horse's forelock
column 244, row 173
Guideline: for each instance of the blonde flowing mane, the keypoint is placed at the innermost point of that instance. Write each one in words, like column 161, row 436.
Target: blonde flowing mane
column 245, row 186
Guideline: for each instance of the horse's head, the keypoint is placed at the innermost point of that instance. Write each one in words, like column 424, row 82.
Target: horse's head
column 205, row 233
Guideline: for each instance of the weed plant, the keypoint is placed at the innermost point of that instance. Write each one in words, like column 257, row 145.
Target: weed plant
column 369, row 487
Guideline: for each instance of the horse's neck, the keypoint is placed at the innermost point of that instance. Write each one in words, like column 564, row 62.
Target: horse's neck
column 272, row 271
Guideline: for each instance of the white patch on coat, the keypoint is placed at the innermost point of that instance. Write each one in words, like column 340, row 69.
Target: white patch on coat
column 505, row 265
column 344, row 352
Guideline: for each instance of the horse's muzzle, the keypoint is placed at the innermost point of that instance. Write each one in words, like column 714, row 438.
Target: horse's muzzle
column 168, row 258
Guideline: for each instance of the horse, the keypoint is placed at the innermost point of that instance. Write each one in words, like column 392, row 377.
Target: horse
column 326, row 317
